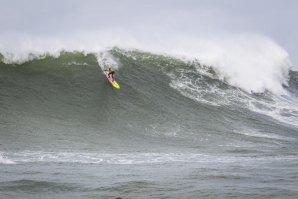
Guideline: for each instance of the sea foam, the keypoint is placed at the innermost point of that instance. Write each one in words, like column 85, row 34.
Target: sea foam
column 4, row 160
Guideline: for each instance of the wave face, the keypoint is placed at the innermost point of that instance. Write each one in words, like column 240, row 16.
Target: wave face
column 159, row 95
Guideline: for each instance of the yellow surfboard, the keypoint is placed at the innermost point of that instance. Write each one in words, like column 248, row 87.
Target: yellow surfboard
column 114, row 83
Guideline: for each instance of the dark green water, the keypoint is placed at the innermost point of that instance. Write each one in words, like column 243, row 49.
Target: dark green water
column 173, row 130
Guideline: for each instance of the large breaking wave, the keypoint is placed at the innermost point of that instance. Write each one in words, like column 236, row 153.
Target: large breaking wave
column 224, row 70
column 202, row 83
column 251, row 62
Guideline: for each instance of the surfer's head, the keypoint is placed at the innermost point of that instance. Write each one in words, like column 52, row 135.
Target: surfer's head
column 110, row 69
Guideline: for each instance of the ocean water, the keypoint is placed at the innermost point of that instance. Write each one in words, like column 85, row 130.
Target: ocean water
column 177, row 128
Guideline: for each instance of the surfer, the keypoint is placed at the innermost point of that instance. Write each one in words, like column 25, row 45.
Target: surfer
column 111, row 72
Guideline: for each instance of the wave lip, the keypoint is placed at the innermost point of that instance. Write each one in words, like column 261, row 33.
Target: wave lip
column 253, row 63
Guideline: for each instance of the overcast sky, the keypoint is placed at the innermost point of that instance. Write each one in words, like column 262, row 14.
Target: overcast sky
column 275, row 19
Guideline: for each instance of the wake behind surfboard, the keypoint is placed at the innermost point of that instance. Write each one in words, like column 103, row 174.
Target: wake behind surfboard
column 110, row 79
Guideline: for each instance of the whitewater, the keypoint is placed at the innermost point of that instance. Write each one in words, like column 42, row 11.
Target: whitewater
column 196, row 117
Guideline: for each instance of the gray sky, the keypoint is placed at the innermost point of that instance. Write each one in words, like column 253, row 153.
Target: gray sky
column 276, row 19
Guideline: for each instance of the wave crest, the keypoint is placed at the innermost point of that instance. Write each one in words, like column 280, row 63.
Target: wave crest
column 254, row 63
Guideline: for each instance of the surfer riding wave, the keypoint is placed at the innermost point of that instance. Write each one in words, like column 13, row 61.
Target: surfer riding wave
column 111, row 73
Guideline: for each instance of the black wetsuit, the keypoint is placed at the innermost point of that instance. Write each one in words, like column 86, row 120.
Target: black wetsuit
column 111, row 73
